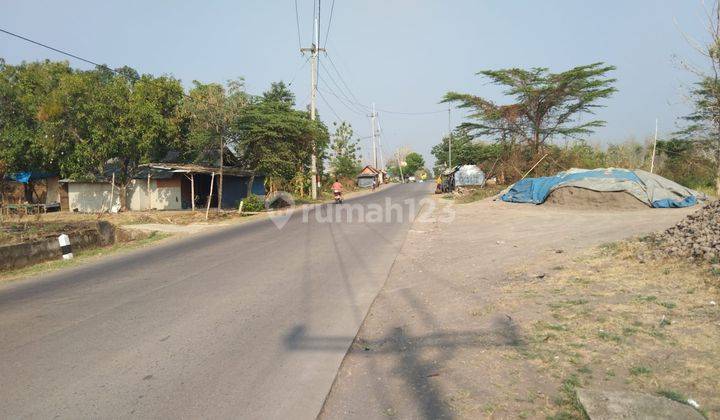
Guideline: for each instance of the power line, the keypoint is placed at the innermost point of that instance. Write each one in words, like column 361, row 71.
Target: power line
column 356, row 107
column 328, row 105
column 332, row 8
column 363, row 109
column 342, row 101
column 297, row 21
column 57, row 50
column 342, row 80
column 302, row 66
column 314, row 3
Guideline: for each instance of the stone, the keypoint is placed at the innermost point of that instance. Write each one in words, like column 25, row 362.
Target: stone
column 607, row 405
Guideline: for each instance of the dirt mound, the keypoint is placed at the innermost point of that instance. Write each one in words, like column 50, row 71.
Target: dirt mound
column 582, row 198
column 696, row 236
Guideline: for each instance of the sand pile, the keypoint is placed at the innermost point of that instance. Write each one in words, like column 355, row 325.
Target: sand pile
column 696, row 236
column 582, row 198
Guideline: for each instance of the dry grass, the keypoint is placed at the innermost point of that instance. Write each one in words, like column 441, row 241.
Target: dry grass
column 609, row 321
column 80, row 257
column 470, row 195
column 17, row 229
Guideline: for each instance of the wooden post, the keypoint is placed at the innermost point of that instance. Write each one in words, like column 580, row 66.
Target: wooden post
column 192, row 190
column 212, row 183
column 149, row 195
column 533, row 167
column 112, row 192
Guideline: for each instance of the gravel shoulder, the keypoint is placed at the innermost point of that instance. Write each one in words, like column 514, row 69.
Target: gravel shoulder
column 442, row 340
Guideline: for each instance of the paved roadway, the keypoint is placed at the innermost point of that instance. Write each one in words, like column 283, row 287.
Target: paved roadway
column 207, row 326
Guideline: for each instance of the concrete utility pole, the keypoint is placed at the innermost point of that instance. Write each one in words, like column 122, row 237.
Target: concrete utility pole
column 449, row 137
column 652, row 162
column 314, row 50
column 372, row 134
column 397, row 156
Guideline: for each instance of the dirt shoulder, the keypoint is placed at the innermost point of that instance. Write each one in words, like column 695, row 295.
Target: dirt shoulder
column 481, row 317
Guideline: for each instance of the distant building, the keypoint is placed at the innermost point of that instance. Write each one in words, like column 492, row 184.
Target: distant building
column 370, row 174
column 162, row 186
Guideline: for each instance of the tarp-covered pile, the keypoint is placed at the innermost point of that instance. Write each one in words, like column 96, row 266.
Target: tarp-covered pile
column 651, row 189
column 469, row 175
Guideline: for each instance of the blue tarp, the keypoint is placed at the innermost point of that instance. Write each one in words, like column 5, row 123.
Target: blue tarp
column 653, row 190
column 25, row 177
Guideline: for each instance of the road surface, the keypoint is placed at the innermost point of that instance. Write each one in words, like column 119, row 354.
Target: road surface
column 207, row 326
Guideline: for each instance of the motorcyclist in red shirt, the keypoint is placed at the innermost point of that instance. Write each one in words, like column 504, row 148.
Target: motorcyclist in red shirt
column 337, row 188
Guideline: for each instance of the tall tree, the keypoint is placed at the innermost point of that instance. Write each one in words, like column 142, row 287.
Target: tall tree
column 344, row 162
column 211, row 108
column 413, row 163
column 275, row 139
column 704, row 127
column 24, row 89
column 465, row 151
column 99, row 120
column 545, row 104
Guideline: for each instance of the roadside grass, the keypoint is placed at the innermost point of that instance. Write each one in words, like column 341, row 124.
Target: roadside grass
column 80, row 257
column 647, row 326
column 706, row 189
column 477, row 194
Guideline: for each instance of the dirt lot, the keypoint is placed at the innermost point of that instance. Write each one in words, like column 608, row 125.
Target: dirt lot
column 503, row 312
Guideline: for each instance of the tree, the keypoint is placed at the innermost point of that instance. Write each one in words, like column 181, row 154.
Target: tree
column 99, row 120
column 211, row 108
column 275, row 139
column 545, row 104
column 465, row 151
column 344, row 162
column 24, row 89
column 414, row 162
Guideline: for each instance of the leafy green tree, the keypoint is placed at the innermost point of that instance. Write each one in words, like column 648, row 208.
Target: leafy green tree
column 545, row 104
column 211, row 109
column 414, row 162
column 279, row 92
column 344, row 162
column 275, row 139
column 24, row 90
column 99, row 120
column 465, row 151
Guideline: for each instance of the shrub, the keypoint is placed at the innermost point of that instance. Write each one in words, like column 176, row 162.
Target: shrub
column 253, row 203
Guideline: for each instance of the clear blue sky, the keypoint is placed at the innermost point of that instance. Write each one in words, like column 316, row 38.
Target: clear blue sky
column 401, row 54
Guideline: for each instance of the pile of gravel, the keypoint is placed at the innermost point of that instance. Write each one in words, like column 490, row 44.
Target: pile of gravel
column 696, row 236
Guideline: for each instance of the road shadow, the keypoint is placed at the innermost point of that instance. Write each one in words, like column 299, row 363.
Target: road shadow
column 406, row 351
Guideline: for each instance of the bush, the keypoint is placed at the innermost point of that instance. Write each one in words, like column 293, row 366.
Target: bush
column 253, row 203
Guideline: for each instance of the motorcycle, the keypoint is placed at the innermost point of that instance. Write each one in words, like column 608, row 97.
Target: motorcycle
column 338, row 196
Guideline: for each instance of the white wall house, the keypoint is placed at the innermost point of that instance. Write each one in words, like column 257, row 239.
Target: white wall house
column 91, row 197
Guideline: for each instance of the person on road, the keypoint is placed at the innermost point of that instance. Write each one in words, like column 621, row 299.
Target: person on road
column 374, row 184
column 438, row 185
column 337, row 186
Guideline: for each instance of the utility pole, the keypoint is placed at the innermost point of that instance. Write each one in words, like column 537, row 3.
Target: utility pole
column 372, row 134
column 397, row 156
column 314, row 50
column 222, row 163
column 652, row 162
column 449, row 137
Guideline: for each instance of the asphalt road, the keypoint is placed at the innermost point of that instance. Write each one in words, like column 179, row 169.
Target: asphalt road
column 211, row 326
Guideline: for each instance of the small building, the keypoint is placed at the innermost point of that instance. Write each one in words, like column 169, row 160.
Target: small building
column 162, row 186
column 36, row 188
column 368, row 175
